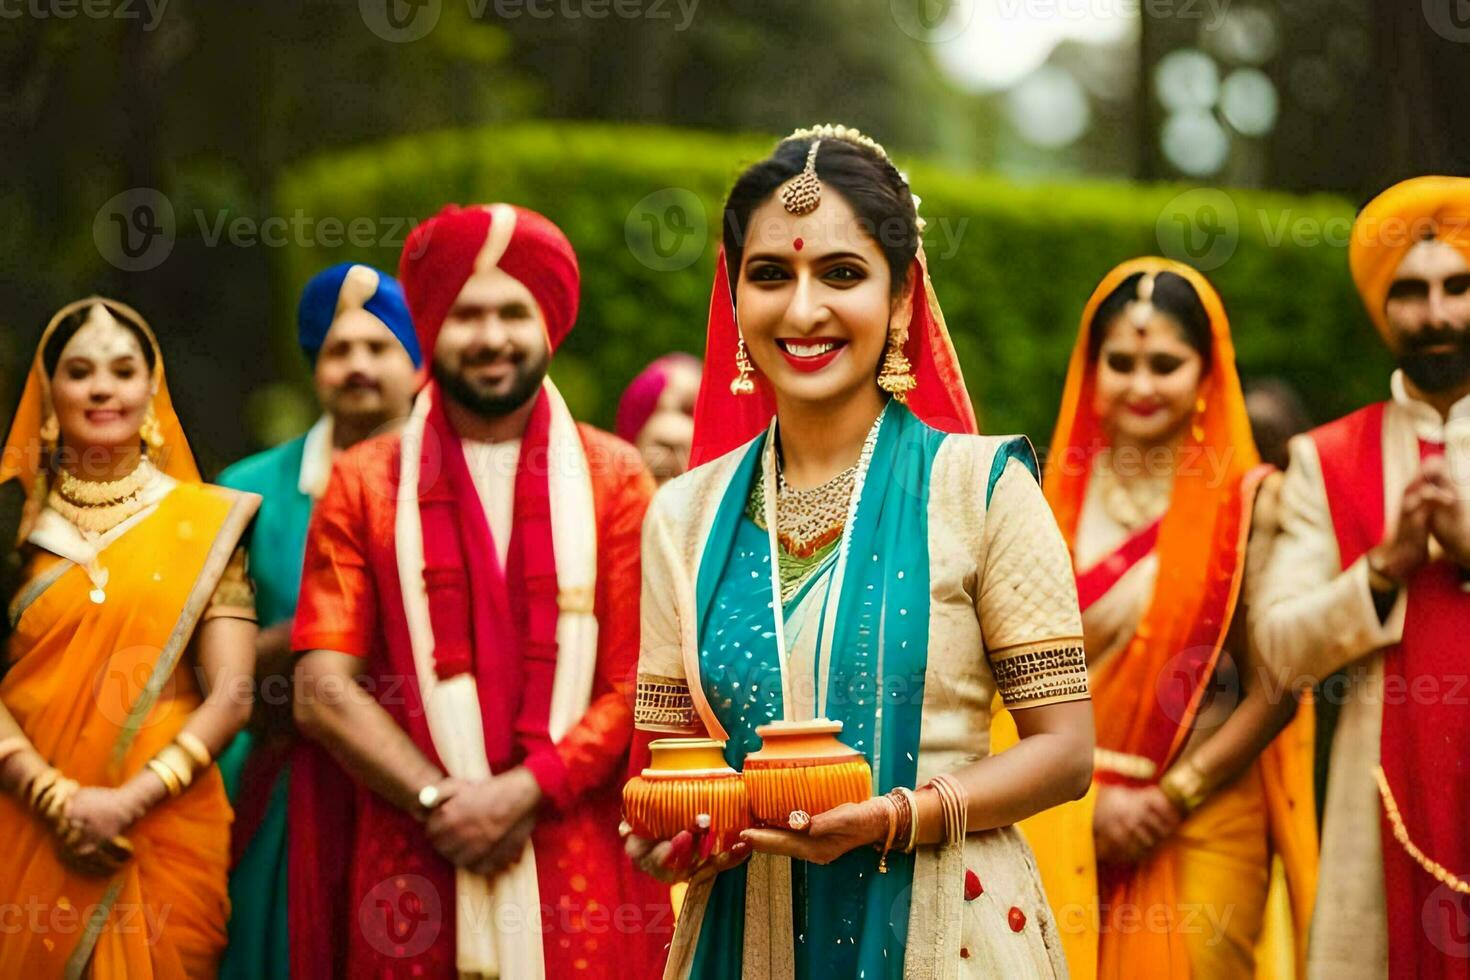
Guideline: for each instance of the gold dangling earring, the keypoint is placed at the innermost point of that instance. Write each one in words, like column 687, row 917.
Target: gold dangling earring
column 150, row 431
column 743, row 383
column 1198, row 428
column 897, row 377
column 50, row 433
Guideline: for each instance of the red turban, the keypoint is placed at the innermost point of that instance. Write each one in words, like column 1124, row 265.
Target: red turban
column 443, row 253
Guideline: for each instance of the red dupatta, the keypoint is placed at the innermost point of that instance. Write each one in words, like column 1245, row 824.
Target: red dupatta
column 724, row 421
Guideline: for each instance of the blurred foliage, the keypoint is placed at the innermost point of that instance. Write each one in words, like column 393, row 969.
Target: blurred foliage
column 1012, row 264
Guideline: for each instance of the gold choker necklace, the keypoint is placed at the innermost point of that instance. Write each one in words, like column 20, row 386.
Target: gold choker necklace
column 96, row 508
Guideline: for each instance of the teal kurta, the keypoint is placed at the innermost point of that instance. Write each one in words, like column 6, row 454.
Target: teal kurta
column 258, row 937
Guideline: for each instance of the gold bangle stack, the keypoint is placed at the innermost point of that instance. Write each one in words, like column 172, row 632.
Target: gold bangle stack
column 196, row 748
column 1184, row 785
column 908, row 817
column 954, row 805
column 47, row 794
column 177, row 762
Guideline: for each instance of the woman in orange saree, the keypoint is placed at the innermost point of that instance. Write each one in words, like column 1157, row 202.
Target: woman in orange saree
column 128, row 659
column 1157, row 487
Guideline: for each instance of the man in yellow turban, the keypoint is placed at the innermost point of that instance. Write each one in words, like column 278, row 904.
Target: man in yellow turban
column 1369, row 577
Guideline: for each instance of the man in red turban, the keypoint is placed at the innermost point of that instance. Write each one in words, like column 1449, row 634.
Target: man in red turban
column 1369, row 576
column 469, row 623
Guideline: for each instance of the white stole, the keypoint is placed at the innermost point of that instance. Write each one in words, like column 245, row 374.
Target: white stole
column 452, row 707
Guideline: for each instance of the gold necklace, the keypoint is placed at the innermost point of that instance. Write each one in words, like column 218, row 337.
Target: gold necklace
column 96, row 508
column 1136, row 502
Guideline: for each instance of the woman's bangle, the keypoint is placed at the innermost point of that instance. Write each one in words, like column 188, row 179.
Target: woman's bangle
column 196, row 748
column 892, row 814
column 908, row 818
column 1184, row 785
column 954, row 806
column 169, row 777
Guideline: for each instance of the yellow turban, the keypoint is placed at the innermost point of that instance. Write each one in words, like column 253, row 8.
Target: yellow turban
column 1394, row 221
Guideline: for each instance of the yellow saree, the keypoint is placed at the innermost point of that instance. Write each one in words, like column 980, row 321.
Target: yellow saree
column 98, row 676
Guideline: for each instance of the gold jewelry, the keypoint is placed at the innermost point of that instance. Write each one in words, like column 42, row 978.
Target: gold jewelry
column 1184, row 785
column 1197, row 427
column 1133, row 503
column 196, row 748
column 954, row 805
column 744, row 371
column 51, row 431
column 803, row 193
column 1141, row 310
column 908, row 817
column 892, row 814
column 179, row 761
column 96, row 508
column 168, row 776
column 151, row 432
column 897, row 377
column 1401, row 834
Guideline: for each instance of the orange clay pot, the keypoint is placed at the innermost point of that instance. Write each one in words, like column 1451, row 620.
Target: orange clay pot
column 687, row 777
column 802, row 765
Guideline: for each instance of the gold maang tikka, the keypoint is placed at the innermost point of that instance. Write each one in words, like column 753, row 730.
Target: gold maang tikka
column 803, row 193
column 1141, row 310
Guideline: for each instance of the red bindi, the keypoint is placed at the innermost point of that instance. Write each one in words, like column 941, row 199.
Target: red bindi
column 798, row 244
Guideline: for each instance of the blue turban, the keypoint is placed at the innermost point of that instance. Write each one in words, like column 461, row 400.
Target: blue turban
column 351, row 285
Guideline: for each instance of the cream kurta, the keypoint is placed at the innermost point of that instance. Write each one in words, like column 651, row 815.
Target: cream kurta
column 1002, row 617
column 1315, row 618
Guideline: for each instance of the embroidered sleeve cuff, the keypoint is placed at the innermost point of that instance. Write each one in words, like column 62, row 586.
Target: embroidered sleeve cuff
column 664, row 704
column 551, row 775
column 1046, row 672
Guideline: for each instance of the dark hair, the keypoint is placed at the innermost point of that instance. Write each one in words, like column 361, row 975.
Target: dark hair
column 73, row 321
column 866, row 180
column 1172, row 295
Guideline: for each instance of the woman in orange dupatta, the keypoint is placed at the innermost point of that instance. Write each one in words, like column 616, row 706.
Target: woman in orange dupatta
column 1203, row 771
column 128, row 662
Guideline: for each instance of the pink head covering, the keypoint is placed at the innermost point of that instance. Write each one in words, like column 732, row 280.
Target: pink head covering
column 641, row 398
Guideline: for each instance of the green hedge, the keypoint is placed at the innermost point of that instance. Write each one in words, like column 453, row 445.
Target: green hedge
column 1012, row 263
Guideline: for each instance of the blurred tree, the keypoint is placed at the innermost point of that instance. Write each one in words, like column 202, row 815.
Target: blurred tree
column 204, row 106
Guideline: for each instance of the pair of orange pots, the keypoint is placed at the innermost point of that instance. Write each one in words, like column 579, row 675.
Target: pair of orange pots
column 801, row 765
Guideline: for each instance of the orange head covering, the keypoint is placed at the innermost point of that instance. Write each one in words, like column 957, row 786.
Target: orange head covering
column 1393, row 222
column 1210, row 475
column 22, row 459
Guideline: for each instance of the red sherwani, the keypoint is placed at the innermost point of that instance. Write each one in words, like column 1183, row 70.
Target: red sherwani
column 601, row 918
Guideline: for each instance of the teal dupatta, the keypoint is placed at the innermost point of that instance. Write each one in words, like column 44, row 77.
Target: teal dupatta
column 848, row 920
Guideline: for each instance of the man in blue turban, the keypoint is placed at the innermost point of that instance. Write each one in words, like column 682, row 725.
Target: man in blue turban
column 355, row 329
